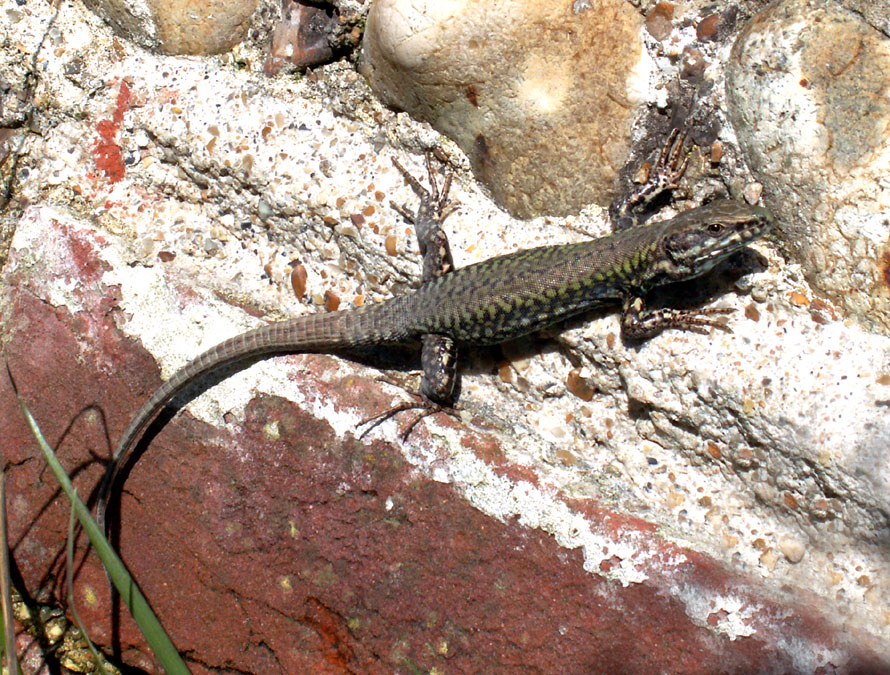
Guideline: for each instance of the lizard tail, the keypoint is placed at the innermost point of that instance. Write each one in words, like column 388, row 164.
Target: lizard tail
column 383, row 323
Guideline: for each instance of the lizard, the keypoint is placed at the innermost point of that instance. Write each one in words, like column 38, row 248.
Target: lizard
column 498, row 299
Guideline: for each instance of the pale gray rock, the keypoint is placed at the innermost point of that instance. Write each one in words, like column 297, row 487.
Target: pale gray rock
column 876, row 12
column 807, row 94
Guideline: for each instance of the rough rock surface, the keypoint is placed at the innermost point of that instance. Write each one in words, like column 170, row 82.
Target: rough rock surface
column 807, row 94
column 312, row 551
column 177, row 26
column 540, row 96
column 659, row 493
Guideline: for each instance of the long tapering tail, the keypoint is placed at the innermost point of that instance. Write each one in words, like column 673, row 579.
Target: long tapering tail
column 384, row 323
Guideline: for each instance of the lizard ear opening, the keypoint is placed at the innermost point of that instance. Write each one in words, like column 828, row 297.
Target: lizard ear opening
column 679, row 247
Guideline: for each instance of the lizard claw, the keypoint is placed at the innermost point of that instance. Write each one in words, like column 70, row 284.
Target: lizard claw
column 426, row 408
column 433, row 202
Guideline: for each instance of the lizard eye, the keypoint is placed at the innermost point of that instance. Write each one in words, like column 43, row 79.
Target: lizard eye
column 715, row 228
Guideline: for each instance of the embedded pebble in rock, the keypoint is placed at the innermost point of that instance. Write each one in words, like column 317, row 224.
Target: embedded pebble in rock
column 540, row 96
column 793, row 549
column 176, row 27
column 299, row 38
column 307, row 34
column 807, row 94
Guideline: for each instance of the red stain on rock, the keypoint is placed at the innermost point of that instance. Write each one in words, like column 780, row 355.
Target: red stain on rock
column 609, row 521
column 82, row 249
column 107, row 152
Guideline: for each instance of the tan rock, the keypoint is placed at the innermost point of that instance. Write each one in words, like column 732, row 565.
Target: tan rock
column 179, row 26
column 539, row 96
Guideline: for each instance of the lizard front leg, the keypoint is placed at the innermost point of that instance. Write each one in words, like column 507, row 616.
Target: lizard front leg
column 431, row 213
column 665, row 174
column 639, row 323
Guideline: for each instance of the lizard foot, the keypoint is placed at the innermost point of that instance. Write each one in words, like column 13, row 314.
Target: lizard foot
column 434, row 203
column 653, row 181
column 671, row 163
column 425, row 406
column 642, row 326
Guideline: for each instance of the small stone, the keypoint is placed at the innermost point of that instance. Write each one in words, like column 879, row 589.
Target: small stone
column 391, row 244
column 793, row 549
column 331, row 301
column 298, row 279
column 659, row 22
column 263, row 209
column 752, row 192
column 578, row 386
column 759, row 294
column 302, row 37
column 693, row 64
column 707, row 27
column 769, row 559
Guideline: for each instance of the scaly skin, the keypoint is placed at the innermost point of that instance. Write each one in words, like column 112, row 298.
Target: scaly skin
column 497, row 300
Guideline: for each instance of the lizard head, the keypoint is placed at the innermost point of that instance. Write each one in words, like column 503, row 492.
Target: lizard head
column 696, row 240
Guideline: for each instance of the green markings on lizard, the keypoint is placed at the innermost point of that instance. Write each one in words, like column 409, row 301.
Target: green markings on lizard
column 495, row 301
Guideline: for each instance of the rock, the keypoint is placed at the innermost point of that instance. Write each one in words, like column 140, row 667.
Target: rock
column 310, row 34
column 540, row 95
column 301, row 543
column 179, row 26
column 876, row 13
column 807, row 94
column 165, row 205
column 793, row 548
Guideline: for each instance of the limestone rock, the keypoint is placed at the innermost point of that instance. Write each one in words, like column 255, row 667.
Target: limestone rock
column 539, row 95
column 807, row 94
column 178, row 26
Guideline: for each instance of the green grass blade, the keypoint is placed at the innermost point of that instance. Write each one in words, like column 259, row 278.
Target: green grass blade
column 12, row 662
column 69, row 585
column 132, row 597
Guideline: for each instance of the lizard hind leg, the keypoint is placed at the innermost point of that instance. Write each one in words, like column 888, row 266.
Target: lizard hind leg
column 439, row 358
column 424, row 406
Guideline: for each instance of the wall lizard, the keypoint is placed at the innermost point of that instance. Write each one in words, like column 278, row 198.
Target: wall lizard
column 498, row 299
